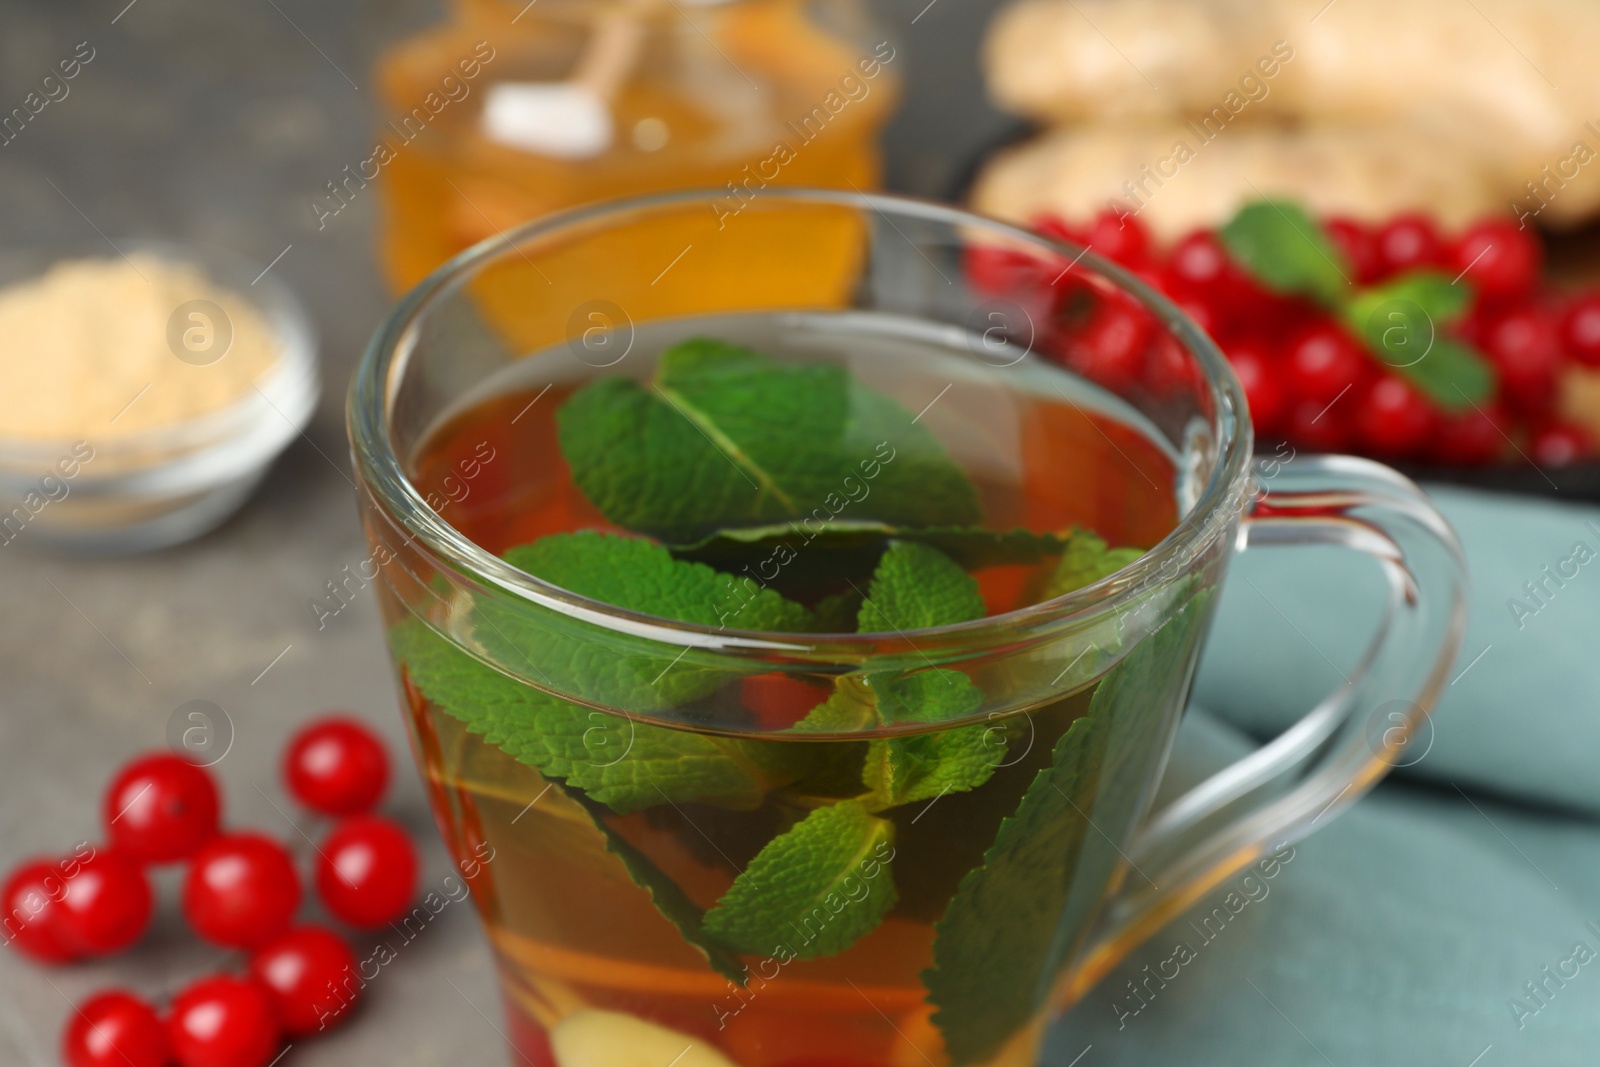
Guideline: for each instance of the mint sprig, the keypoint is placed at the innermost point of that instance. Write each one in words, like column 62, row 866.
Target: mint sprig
column 1015, row 920
column 722, row 436
column 732, row 457
column 914, row 586
column 1400, row 320
column 1402, row 323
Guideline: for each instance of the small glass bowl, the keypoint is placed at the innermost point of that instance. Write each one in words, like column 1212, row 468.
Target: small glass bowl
column 168, row 484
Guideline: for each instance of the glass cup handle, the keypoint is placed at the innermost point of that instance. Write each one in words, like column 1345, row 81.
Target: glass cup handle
column 1328, row 759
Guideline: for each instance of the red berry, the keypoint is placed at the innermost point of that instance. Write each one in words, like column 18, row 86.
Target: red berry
column 1393, row 418
column 367, row 870
column 336, row 766
column 114, row 1029
column 1110, row 348
column 1322, row 427
column 1121, row 238
column 105, row 906
column 310, row 973
column 1263, row 387
column 1171, row 368
column 241, row 891
column 33, row 915
column 1470, row 438
column 1323, row 361
column 222, row 1021
column 1523, row 342
column 1058, row 229
column 1359, row 245
column 1558, row 444
column 1199, row 262
column 1198, row 309
column 1580, row 330
column 1407, row 242
column 1499, row 257
column 1008, row 272
column 160, row 808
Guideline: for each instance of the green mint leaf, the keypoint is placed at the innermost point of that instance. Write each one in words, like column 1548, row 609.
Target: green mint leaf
column 1085, row 561
column 915, row 587
column 619, row 761
column 1452, row 375
column 1015, row 920
column 1429, row 292
column 993, row 949
column 639, row 575
column 668, row 898
column 814, row 890
column 902, row 770
column 624, row 764
column 1287, row 251
column 1402, row 324
column 724, row 436
column 763, row 551
column 852, row 708
column 592, row 664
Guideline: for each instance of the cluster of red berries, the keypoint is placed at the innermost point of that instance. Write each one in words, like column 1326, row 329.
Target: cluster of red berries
column 241, row 891
column 1307, row 378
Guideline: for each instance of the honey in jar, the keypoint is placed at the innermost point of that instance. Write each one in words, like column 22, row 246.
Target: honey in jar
column 514, row 109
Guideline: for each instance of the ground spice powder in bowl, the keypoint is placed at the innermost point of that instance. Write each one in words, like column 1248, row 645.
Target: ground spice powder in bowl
column 142, row 396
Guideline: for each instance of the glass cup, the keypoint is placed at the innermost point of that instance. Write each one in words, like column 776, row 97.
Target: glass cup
column 627, row 793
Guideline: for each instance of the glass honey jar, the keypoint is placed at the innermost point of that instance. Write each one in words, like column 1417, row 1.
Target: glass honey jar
column 514, row 109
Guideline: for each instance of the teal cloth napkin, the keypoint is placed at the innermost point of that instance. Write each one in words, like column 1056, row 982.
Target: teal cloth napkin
column 1521, row 718
column 1450, row 918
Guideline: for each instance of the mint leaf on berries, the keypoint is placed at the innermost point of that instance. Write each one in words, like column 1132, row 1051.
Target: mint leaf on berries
column 1287, row 251
column 812, row 891
column 1401, row 320
column 724, row 436
column 1452, row 375
column 1401, row 323
column 1430, row 292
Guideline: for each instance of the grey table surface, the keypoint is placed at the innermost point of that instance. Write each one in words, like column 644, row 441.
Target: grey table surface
column 217, row 122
